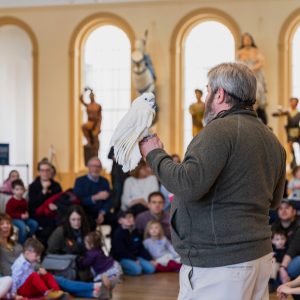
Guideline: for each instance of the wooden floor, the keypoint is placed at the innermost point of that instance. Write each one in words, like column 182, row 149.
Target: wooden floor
column 148, row 287
column 162, row 286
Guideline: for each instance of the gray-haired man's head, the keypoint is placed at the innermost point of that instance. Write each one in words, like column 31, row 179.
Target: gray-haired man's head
column 237, row 82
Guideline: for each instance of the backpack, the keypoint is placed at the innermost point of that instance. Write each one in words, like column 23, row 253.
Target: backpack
column 61, row 264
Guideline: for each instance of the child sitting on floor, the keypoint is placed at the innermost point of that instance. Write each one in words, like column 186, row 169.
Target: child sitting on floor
column 167, row 260
column 128, row 249
column 102, row 266
column 29, row 283
column 17, row 209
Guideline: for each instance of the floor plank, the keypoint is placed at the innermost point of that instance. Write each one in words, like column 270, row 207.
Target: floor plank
column 148, row 287
column 163, row 286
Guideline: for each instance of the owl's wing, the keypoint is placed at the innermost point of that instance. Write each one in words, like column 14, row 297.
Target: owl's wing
column 131, row 129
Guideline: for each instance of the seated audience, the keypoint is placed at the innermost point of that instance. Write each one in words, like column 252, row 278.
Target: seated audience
column 30, row 283
column 288, row 220
column 40, row 190
column 160, row 248
column 69, row 237
column 17, row 209
column 156, row 212
column 290, row 265
column 6, row 187
column 10, row 251
column 102, row 267
column 137, row 189
column 94, row 193
column 279, row 245
column 5, row 286
column 128, row 249
column 289, row 223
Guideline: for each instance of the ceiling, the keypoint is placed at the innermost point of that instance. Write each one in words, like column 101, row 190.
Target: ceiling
column 35, row 3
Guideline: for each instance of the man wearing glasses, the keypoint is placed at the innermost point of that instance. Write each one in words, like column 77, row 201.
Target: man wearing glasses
column 94, row 193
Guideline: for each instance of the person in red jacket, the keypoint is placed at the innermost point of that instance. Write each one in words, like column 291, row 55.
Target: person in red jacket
column 17, row 209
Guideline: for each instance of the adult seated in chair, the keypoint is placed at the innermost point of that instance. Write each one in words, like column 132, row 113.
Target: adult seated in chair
column 94, row 193
column 156, row 212
column 42, row 188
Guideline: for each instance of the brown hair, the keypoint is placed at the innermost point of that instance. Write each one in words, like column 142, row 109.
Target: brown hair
column 95, row 239
column 136, row 171
column 33, row 245
column 153, row 194
column 5, row 217
column 147, row 230
column 17, row 182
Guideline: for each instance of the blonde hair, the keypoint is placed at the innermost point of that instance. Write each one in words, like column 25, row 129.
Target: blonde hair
column 147, row 230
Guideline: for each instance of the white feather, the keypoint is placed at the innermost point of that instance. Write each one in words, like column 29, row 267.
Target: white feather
column 132, row 128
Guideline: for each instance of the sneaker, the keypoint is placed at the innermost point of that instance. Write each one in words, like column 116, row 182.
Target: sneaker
column 54, row 295
column 104, row 293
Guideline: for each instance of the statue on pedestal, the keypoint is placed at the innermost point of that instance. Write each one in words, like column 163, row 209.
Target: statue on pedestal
column 92, row 128
column 143, row 73
column 197, row 112
column 249, row 54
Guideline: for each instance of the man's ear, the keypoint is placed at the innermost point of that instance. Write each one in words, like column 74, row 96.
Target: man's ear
column 220, row 96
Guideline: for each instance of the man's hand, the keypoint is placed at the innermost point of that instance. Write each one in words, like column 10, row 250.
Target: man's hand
column 101, row 196
column 149, row 144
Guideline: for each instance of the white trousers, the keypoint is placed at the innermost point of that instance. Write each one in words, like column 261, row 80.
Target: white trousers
column 5, row 285
column 244, row 281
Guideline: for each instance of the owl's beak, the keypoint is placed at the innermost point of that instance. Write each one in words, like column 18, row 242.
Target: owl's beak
column 155, row 107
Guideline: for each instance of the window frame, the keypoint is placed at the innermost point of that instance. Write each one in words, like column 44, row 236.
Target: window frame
column 78, row 39
column 180, row 33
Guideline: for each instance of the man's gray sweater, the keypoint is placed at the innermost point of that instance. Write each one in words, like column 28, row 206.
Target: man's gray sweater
column 232, row 173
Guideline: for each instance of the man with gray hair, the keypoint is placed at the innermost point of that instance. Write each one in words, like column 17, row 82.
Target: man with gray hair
column 232, row 173
column 94, row 193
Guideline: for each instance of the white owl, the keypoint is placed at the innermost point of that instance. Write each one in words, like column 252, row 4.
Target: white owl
column 132, row 128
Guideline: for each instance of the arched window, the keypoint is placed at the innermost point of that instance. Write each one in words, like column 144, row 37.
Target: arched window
column 100, row 51
column 16, row 96
column 201, row 39
column 295, row 91
column 207, row 44
column 106, row 69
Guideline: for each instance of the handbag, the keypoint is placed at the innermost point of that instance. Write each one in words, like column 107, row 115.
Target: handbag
column 61, row 264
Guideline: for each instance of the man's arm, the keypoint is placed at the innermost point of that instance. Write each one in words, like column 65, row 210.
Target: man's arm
column 204, row 160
